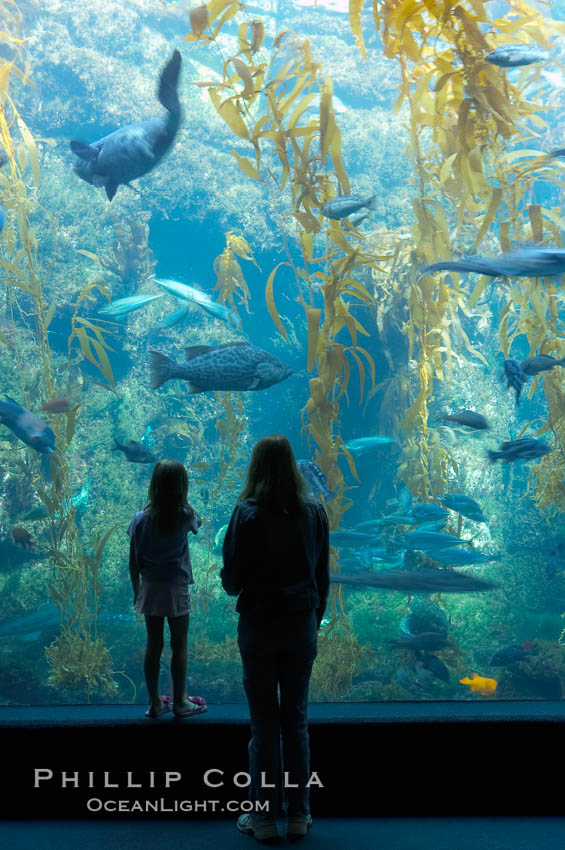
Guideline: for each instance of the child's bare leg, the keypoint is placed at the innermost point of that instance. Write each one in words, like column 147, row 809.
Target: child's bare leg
column 179, row 647
column 152, row 662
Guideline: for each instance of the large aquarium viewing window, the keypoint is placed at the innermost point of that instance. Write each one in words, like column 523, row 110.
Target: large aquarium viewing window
column 337, row 220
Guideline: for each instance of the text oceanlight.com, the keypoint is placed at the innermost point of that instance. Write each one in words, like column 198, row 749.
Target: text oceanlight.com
column 95, row 804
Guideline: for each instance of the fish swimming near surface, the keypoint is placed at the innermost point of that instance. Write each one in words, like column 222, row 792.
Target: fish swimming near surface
column 524, row 449
column 231, row 366
column 133, row 150
column 368, row 444
column 316, row 479
column 123, row 306
column 531, row 261
column 540, row 363
column 463, row 505
column 516, row 55
column 468, row 418
column 135, row 452
column 201, row 299
column 345, row 205
column 480, row 684
column 26, row 425
column 515, row 378
column 415, row 581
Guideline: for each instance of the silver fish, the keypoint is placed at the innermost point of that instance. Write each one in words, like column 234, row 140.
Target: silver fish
column 429, row 540
column 201, row 299
column 367, row 444
column 123, row 306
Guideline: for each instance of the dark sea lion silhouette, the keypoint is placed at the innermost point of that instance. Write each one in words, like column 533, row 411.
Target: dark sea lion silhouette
column 135, row 149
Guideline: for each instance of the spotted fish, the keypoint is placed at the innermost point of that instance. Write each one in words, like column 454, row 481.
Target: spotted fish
column 316, row 479
column 231, row 366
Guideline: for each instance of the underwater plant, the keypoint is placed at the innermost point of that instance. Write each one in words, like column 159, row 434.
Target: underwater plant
column 130, row 259
column 469, row 126
column 73, row 584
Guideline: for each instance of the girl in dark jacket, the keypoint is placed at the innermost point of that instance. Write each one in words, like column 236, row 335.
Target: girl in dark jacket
column 276, row 560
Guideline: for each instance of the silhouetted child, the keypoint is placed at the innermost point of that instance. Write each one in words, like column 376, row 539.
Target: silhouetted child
column 160, row 571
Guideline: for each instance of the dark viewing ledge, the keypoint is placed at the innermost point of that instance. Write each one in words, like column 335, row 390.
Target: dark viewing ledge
column 500, row 711
column 374, row 759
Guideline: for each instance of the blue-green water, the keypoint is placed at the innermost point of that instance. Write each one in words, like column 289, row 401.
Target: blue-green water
column 67, row 626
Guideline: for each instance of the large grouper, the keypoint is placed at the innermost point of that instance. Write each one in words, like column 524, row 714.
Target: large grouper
column 135, row 149
column 231, row 366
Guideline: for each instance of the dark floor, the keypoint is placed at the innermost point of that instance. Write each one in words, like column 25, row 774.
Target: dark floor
column 367, row 834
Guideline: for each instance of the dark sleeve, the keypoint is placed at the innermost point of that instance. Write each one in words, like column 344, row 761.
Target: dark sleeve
column 233, row 551
column 322, row 573
column 194, row 522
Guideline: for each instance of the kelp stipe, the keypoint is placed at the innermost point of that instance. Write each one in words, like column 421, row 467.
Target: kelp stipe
column 464, row 115
column 303, row 148
column 78, row 657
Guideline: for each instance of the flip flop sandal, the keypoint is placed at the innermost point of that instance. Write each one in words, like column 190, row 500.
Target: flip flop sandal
column 166, row 700
column 197, row 700
column 198, row 709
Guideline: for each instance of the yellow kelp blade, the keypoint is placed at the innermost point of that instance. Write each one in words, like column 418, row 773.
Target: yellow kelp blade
column 270, row 299
column 313, row 315
column 355, row 10
column 246, row 166
column 230, row 114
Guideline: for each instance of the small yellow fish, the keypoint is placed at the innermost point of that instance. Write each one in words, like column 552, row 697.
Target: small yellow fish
column 480, row 685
